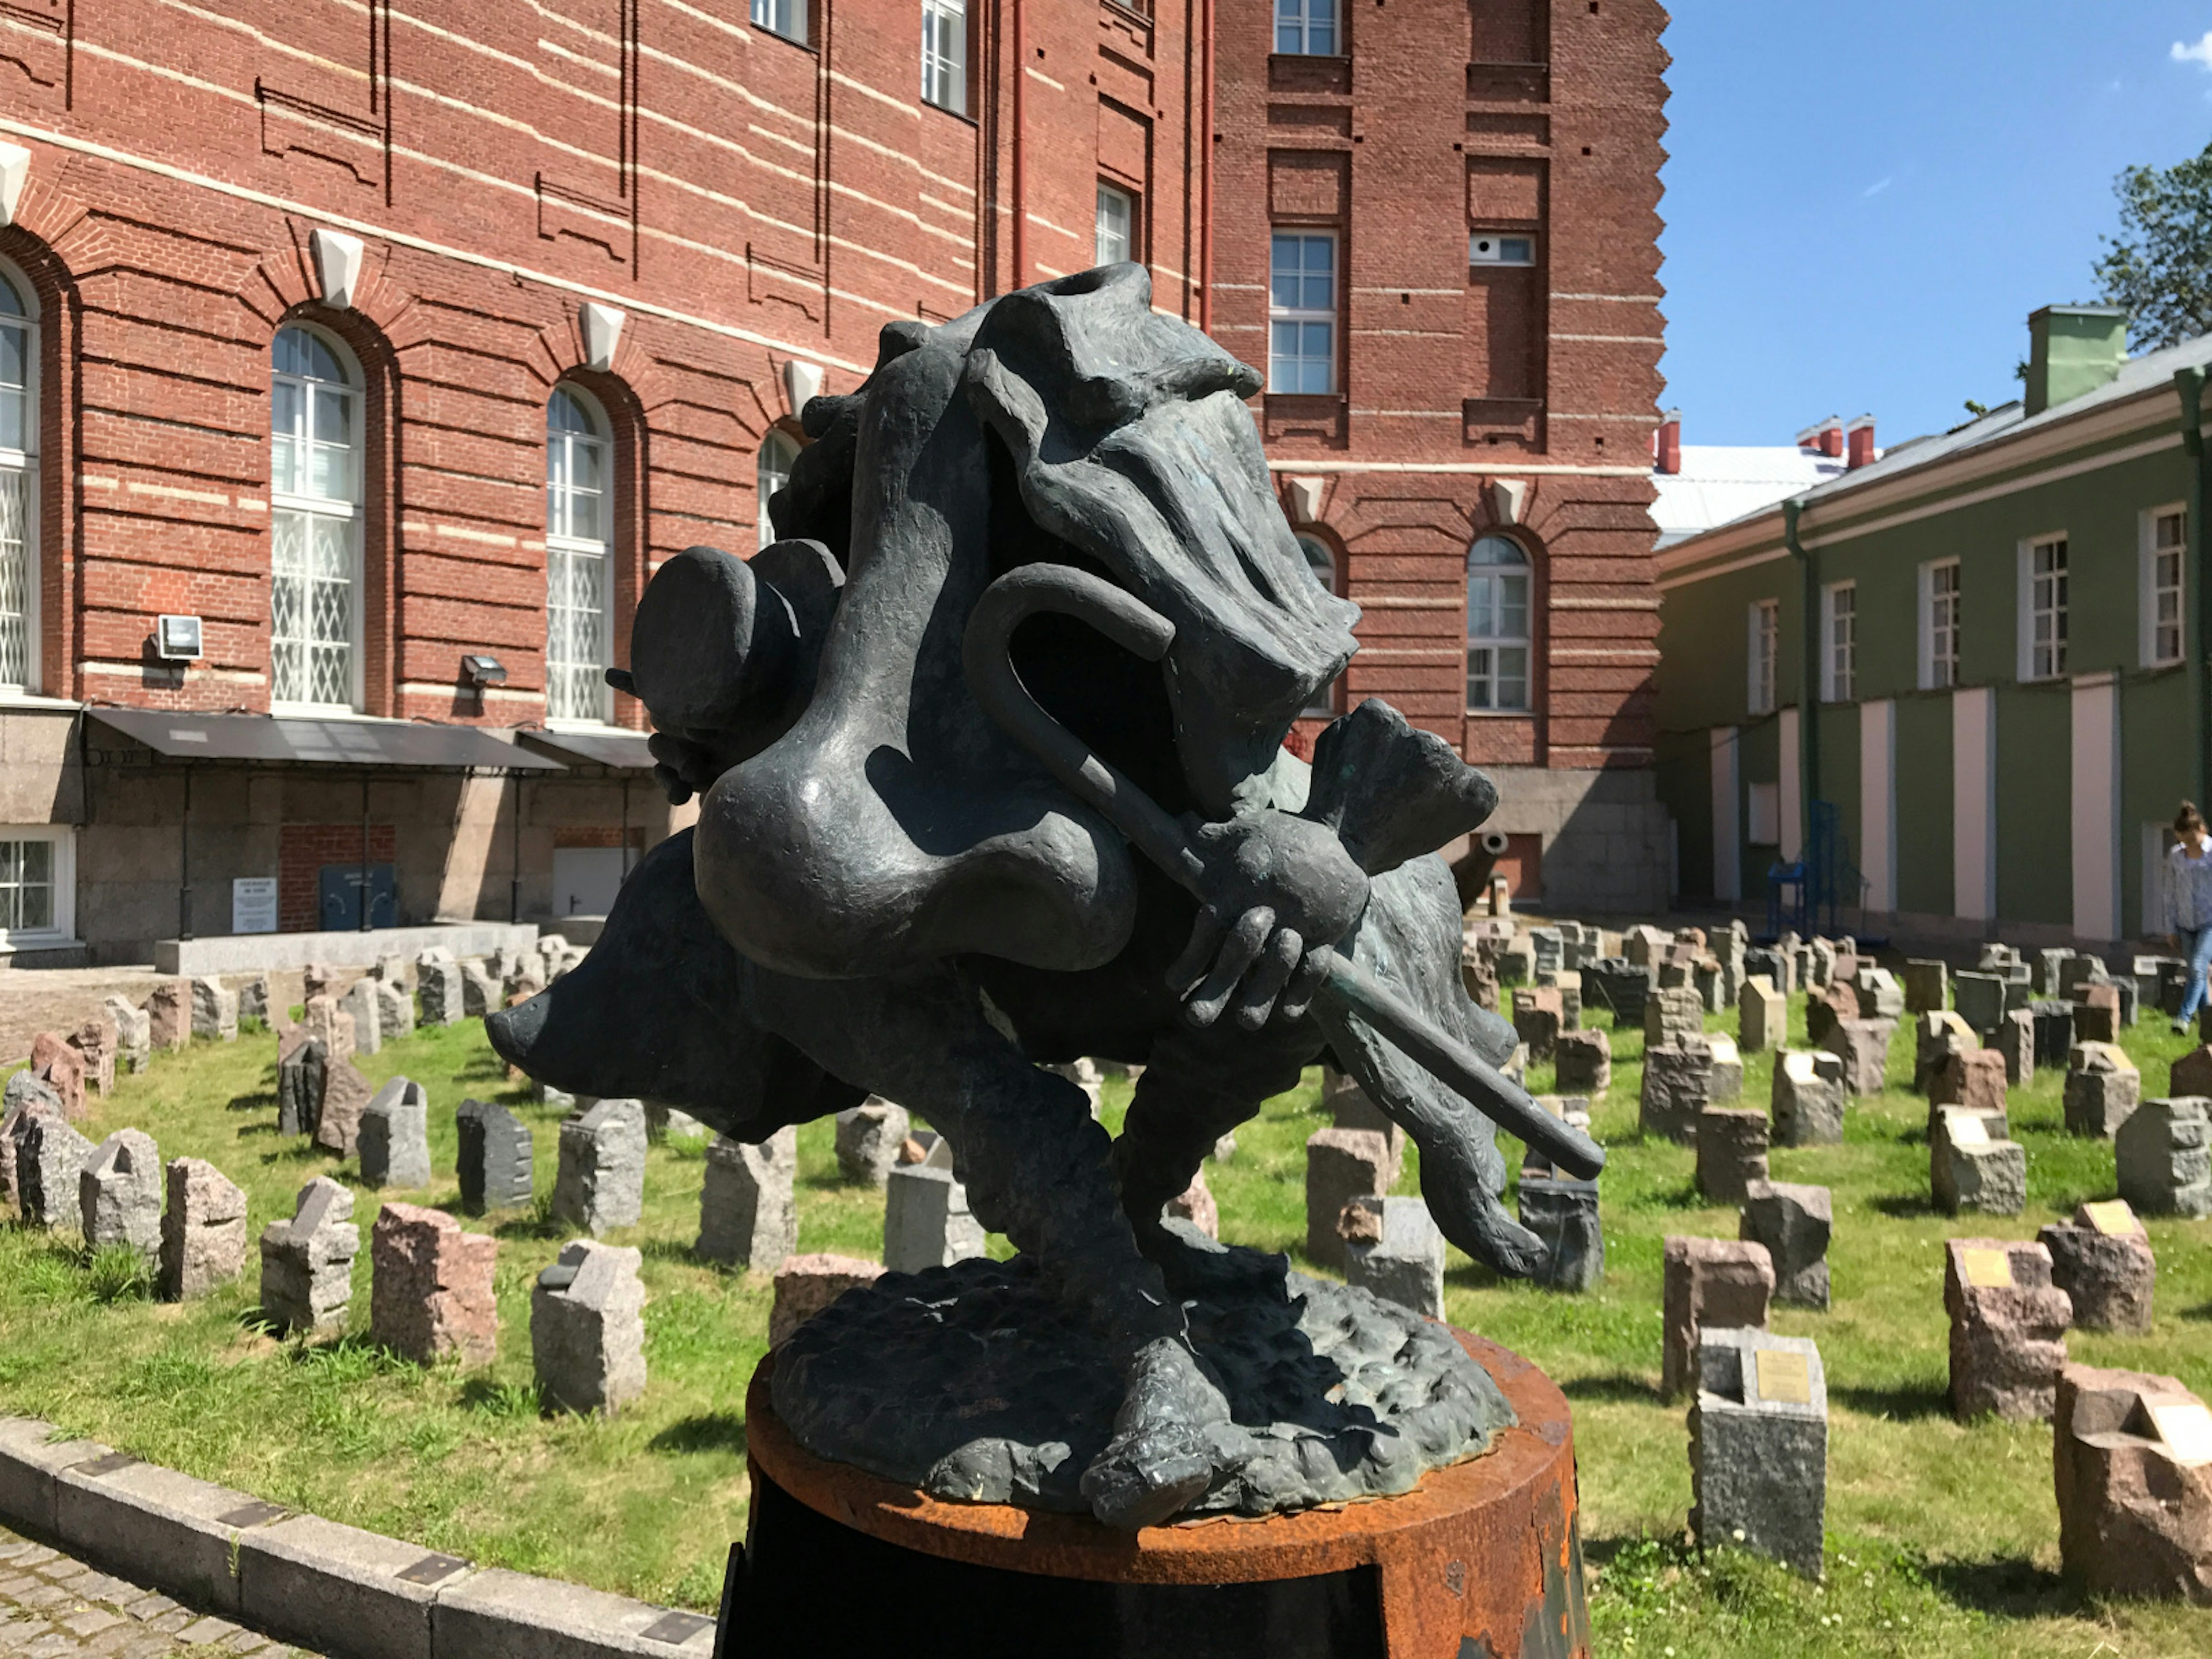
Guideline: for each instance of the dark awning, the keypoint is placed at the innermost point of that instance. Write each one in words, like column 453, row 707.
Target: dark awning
column 623, row 751
column 328, row 743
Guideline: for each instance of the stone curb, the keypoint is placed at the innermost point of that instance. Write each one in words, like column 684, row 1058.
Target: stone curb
column 337, row 1590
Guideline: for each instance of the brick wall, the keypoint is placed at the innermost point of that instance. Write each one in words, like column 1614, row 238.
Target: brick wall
column 302, row 850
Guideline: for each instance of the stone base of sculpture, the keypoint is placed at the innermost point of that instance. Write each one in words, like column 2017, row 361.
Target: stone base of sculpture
column 1481, row 1555
column 976, row 1383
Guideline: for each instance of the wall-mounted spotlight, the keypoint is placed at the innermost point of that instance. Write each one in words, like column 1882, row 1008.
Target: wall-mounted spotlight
column 481, row 671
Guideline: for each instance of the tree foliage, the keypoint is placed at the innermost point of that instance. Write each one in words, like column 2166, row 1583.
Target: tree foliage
column 2160, row 266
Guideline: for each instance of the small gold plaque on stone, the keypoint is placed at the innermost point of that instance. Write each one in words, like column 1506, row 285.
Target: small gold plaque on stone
column 1784, row 1377
column 2186, row 1428
column 2113, row 1218
column 1987, row 1270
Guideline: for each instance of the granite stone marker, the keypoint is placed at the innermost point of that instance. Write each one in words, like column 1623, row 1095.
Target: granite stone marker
column 1677, row 1085
column 438, row 987
column 322, row 1018
column 346, row 1094
column 1564, row 1213
column 134, row 1031
column 1758, row 1446
column 1673, row 1015
column 2191, row 1074
column 430, row 1287
column 1927, row 986
column 1762, row 1015
column 302, row 1073
column 306, row 1263
column 587, row 1328
column 1969, row 1170
column 1584, row 1059
column 1827, row 1008
column 1622, row 988
column 2102, row 1088
column 202, row 1230
column 868, row 1137
column 215, row 1012
column 495, row 1148
column 1538, row 1018
column 1349, row 1108
column 1391, row 1249
column 2007, row 1328
column 2164, row 1155
column 50, row 1161
column 1864, row 1047
column 120, row 1194
column 1341, row 1164
column 2132, row 1470
column 806, row 1285
column 482, row 990
column 2102, row 1260
column 2015, row 1040
column 2054, row 1032
column 27, row 1097
column 1980, row 1001
column 1731, row 1151
column 748, row 1214
column 2096, row 1014
column 1794, row 1222
column 1717, row 1282
column 1880, row 997
column 359, row 1005
column 169, row 1014
column 62, row 1069
column 1808, row 1100
column 394, row 1139
column 1974, row 1080
column 1195, row 1205
column 1935, row 1037
column 253, row 999
column 601, row 1182
column 927, row 1220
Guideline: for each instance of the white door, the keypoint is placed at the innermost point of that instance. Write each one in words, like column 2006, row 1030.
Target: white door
column 585, row 880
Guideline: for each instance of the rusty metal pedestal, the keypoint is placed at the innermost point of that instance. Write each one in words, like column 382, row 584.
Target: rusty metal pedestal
column 1481, row 1561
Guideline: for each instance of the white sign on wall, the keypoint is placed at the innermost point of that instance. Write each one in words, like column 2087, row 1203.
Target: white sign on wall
column 253, row 904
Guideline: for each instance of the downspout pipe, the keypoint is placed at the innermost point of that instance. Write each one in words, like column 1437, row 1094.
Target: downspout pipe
column 1808, row 672
column 2189, row 383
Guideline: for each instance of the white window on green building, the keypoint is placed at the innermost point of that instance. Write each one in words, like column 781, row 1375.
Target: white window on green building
column 1114, row 237
column 1306, row 28
column 19, row 490
column 2165, row 545
column 1840, row 637
column 1763, row 634
column 944, row 54
column 2043, row 609
column 578, row 561
column 1498, row 580
column 1939, row 625
column 314, row 525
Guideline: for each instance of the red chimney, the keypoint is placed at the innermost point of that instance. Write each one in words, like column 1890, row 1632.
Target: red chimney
column 1828, row 436
column 1861, row 433
column 1670, row 442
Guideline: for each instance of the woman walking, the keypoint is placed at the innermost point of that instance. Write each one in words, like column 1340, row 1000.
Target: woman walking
column 2189, row 904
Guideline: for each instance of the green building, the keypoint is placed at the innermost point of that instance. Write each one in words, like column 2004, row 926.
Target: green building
column 2001, row 633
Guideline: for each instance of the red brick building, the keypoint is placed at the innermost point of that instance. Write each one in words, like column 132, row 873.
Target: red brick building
column 396, row 344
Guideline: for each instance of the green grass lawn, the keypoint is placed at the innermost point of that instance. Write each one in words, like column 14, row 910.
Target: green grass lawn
column 1943, row 1535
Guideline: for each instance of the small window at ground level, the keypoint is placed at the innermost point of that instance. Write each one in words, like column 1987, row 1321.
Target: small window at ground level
column 36, row 879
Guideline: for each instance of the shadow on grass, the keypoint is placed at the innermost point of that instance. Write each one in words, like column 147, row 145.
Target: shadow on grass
column 2011, row 1589
column 261, row 1101
column 1615, row 1386
column 709, row 1432
column 2201, row 1315
column 675, row 1250
column 1901, row 1404
column 1904, row 1206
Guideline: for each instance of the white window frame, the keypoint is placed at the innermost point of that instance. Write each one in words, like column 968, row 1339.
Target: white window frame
column 1515, row 249
column 1762, row 651
column 63, row 929
column 1839, row 660
column 1939, row 668
column 1309, row 29
column 785, row 19
column 1302, row 317
column 562, row 544
column 2146, row 586
column 1497, row 642
column 775, row 442
column 349, row 511
column 23, row 463
column 1104, row 231
column 2030, row 671
column 944, row 54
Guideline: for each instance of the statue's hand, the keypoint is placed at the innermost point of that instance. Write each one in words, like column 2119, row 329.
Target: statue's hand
column 1280, row 891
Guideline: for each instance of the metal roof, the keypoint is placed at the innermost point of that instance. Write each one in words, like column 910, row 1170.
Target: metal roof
column 328, row 743
column 1721, row 482
column 614, row 747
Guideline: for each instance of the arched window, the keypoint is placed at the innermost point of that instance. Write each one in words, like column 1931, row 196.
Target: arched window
column 777, row 453
column 579, row 560
column 19, row 488
column 1497, row 625
column 315, row 523
column 1322, row 563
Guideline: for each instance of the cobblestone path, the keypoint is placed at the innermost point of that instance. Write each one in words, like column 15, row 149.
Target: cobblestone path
column 53, row 1607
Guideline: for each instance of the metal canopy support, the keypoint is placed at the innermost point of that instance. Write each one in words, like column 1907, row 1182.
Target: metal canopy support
column 185, row 861
column 366, row 903
column 515, row 879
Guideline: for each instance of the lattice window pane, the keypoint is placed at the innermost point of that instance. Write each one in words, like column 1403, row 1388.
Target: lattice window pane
column 576, row 644
column 15, row 578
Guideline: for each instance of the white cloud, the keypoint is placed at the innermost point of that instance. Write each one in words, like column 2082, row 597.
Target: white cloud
column 1877, row 187
column 2199, row 54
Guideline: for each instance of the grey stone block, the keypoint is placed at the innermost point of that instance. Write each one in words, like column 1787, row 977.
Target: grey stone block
column 495, row 1150
column 155, row 1526
column 868, row 1140
column 306, row 1263
column 1968, row 1171
column 2103, row 1089
column 1980, row 999
column 1808, row 1100
column 2164, row 1155
column 1392, row 1249
column 119, row 1194
column 1564, row 1213
column 438, row 987
column 395, row 1136
column 587, row 1327
column 360, row 1003
column 481, row 991
column 1341, row 1164
column 30, row 1461
column 1731, row 1151
column 926, row 1221
column 1678, row 1083
column 302, row 1075
column 336, row 1588
column 215, row 1012
column 498, row 1614
column 50, row 1159
column 601, row 1183
column 1794, row 1222
column 1758, row 1446
column 748, row 1213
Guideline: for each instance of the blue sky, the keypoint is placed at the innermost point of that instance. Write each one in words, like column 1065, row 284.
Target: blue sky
column 1864, row 202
